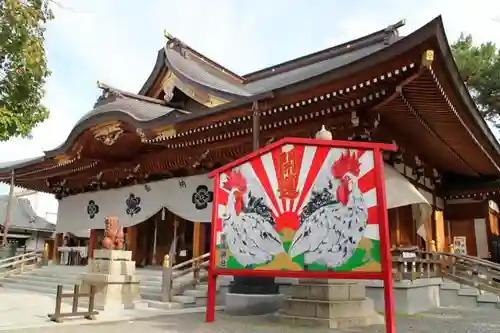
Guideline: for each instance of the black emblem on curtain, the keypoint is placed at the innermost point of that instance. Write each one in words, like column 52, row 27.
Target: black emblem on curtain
column 133, row 204
column 202, row 197
column 92, row 209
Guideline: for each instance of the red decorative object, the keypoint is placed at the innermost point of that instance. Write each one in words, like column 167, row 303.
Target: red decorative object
column 288, row 174
column 346, row 163
column 282, row 187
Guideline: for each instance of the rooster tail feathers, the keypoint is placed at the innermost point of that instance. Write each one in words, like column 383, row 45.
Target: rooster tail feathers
column 300, row 243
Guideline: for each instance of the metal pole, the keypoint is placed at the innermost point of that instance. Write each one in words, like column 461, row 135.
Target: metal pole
column 8, row 210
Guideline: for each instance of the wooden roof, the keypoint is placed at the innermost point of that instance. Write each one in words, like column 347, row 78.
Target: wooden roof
column 409, row 85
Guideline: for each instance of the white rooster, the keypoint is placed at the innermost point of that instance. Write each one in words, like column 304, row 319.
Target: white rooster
column 333, row 223
column 248, row 227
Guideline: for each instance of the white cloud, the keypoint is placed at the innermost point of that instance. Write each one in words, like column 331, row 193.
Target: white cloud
column 116, row 41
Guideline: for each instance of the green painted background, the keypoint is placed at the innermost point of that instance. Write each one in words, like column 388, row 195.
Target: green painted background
column 358, row 259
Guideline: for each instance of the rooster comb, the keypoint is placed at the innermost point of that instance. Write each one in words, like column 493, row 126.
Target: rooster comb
column 346, row 163
column 235, row 181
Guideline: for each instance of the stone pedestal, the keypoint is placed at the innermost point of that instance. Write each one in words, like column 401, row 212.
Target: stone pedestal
column 410, row 297
column 113, row 274
column 249, row 296
column 252, row 304
column 329, row 303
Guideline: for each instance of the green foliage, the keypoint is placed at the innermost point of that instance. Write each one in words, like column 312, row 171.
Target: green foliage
column 23, row 66
column 479, row 67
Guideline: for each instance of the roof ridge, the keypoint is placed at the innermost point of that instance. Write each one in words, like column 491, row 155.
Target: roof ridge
column 181, row 47
column 336, row 50
column 125, row 94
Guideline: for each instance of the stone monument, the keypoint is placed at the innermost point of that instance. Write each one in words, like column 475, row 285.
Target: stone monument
column 329, row 303
column 112, row 271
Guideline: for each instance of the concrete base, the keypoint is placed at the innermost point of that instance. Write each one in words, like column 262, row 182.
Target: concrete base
column 250, row 305
column 329, row 303
column 112, row 272
column 410, row 297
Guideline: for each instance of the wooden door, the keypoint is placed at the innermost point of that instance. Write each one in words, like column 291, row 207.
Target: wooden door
column 466, row 229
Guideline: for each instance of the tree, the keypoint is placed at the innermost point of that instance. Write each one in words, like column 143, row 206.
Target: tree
column 23, row 66
column 479, row 67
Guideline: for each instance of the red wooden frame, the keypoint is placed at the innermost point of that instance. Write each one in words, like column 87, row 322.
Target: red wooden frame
column 386, row 273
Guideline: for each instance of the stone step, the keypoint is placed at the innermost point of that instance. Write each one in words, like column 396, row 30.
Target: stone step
column 450, row 285
column 28, row 278
column 468, row 292
column 38, row 289
column 41, row 283
column 195, row 293
column 182, row 299
column 164, row 305
column 464, row 296
column 46, row 279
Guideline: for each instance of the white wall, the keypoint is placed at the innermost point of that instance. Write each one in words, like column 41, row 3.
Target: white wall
column 35, row 243
column 481, row 238
column 45, row 205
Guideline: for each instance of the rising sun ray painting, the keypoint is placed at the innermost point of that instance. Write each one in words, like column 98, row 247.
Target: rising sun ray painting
column 299, row 208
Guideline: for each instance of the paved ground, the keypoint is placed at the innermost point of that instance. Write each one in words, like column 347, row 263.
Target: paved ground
column 439, row 321
column 28, row 309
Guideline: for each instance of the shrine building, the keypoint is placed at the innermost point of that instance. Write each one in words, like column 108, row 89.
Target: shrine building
column 144, row 157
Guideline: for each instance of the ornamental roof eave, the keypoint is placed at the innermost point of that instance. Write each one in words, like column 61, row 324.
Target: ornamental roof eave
column 434, row 30
column 197, row 70
column 139, row 114
column 7, row 167
column 464, row 187
column 461, row 90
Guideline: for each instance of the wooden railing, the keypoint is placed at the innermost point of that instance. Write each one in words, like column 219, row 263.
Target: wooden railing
column 475, row 272
column 408, row 264
column 21, row 263
column 472, row 271
column 177, row 278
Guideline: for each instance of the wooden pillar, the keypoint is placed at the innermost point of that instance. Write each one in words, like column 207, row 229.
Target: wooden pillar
column 398, row 227
column 203, row 239
column 440, row 230
column 428, row 232
column 132, row 241
column 92, row 241
column 58, row 240
column 198, row 239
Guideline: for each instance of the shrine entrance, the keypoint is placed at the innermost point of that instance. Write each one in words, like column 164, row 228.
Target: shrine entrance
column 151, row 240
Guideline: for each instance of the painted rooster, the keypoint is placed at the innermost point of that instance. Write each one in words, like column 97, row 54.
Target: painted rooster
column 248, row 226
column 334, row 220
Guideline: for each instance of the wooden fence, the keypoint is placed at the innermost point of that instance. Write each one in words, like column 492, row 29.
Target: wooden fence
column 58, row 315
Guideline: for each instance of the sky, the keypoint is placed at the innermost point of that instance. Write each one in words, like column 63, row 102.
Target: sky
column 116, row 42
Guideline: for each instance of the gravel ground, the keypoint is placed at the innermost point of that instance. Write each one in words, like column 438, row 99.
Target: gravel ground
column 438, row 321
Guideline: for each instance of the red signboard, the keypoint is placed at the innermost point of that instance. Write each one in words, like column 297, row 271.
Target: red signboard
column 303, row 208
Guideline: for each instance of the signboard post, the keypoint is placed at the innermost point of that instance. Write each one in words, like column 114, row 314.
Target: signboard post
column 303, row 208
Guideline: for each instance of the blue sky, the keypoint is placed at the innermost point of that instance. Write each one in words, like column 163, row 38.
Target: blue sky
column 116, row 42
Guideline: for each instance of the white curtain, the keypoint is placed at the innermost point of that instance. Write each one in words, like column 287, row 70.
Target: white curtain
column 190, row 198
column 400, row 192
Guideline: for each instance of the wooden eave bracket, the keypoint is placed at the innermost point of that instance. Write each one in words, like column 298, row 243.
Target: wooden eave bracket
column 165, row 133
column 70, row 157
